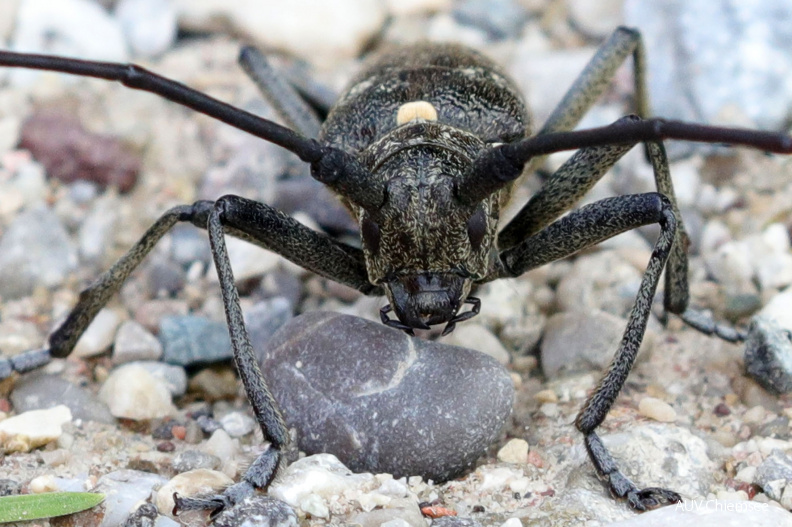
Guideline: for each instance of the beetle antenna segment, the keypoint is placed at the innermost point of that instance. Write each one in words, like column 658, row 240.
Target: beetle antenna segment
column 503, row 164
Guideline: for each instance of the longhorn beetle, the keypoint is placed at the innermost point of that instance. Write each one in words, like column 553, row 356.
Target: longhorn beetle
column 423, row 148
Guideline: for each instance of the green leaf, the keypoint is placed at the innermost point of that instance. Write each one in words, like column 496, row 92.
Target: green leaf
column 26, row 507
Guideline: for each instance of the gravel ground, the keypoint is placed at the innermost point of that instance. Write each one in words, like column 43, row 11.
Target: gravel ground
column 688, row 402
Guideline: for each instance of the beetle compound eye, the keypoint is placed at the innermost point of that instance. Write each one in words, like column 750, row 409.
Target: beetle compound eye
column 477, row 228
column 371, row 234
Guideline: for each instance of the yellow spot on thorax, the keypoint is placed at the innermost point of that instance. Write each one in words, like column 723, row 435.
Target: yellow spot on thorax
column 411, row 111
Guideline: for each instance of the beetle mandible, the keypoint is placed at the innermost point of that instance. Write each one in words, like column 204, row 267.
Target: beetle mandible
column 423, row 148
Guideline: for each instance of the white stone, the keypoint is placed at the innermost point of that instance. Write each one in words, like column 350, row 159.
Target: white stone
column 477, row 337
column 596, row 18
column 32, row 429
column 515, row 451
column 321, row 474
column 779, row 308
column 99, row 335
column 512, row 522
column 132, row 392
column 657, row 409
column 247, row 260
column 323, row 32
column 314, row 505
column 237, row 424
column 43, row 483
column 134, row 342
column 731, row 265
column 78, row 28
column 149, row 25
column 190, row 483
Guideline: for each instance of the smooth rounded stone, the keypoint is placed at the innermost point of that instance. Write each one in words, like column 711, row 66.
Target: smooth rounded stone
column 133, row 342
column 382, row 401
column 194, row 459
column 711, row 513
column 99, row 335
column 576, row 342
column 34, row 428
column 149, row 25
column 238, row 424
column 265, row 318
column 35, row 250
column 691, row 78
column 768, row 355
column 58, row 28
column 478, row 337
column 657, row 409
column 188, row 340
column 258, row 511
column 777, row 467
column 335, row 31
column 499, row 19
column 515, row 451
column 131, row 392
column 174, row 377
column 38, row 390
column 190, row 484
column 124, row 490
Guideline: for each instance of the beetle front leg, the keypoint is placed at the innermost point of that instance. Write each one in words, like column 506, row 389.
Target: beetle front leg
column 580, row 229
column 263, row 470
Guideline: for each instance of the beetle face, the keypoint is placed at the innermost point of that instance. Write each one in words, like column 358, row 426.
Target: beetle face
column 422, row 245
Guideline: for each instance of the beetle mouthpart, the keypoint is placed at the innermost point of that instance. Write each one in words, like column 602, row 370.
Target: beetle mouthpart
column 425, row 299
column 463, row 316
column 394, row 322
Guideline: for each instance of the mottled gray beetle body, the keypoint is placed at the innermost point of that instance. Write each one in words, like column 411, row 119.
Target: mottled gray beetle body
column 422, row 245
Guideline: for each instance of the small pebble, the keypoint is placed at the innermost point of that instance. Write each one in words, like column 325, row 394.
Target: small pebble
column 515, row 451
column 99, row 335
column 238, row 424
column 174, row 377
column 132, row 392
column 776, row 467
column 425, row 408
column 188, row 340
column 657, row 409
column 768, row 355
column 26, row 431
column 134, row 342
column 478, row 337
column 124, row 490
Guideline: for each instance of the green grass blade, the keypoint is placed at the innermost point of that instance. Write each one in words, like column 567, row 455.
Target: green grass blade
column 26, row 507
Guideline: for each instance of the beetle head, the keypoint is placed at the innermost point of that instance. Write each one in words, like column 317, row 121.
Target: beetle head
column 422, row 244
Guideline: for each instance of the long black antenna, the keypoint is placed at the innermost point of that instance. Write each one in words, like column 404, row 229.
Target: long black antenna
column 139, row 78
column 502, row 164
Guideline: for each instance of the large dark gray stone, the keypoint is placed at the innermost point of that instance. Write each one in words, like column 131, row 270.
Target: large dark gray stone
column 382, row 401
